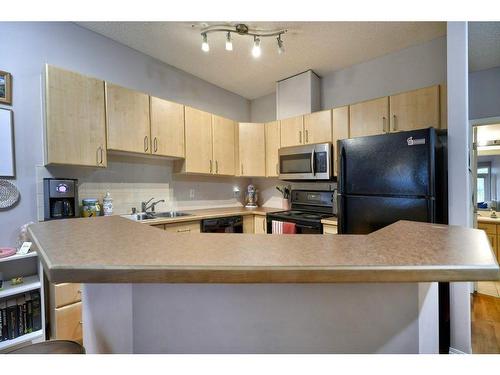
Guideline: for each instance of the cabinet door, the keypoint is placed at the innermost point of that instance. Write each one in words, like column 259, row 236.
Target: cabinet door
column 272, row 130
column 127, row 120
column 167, row 128
column 252, row 149
column 260, row 224
column 417, row 109
column 340, row 126
column 369, row 118
column 198, row 127
column 292, row 130
column 68, row 322
column 318, row 127
column 186, row 227
column 223, row 143
column 75, row 119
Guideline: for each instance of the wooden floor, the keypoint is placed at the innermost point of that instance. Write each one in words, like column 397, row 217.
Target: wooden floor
column 485, row 324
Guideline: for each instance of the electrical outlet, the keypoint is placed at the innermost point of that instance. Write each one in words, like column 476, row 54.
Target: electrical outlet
column 191, row 193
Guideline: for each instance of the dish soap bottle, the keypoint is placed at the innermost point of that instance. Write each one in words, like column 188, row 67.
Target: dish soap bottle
column 108, row 204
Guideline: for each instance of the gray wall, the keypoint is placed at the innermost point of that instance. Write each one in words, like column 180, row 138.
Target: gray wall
column 26, row 47
column 263, row 109
column 404, row 70
column 484, row 93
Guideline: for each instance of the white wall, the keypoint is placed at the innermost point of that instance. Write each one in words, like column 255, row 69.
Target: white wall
column 26, row 47
column 263, row 109
column 484, row 93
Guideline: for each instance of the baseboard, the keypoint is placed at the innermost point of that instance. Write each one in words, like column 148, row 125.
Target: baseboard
column 456, row 351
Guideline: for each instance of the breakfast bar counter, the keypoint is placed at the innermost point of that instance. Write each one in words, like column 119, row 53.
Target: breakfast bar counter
column 149, row 291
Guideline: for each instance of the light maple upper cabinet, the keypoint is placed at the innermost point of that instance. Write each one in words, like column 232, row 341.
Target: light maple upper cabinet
column 340, row 130
column 369, row 118
column 318, row 127
column 167, row 128
column 292, row 130
column 417, row 109
column 128, row 123
column 272, row 135
column 199, row 148
column 252, row 149
column 223, row 146
column 75, row 127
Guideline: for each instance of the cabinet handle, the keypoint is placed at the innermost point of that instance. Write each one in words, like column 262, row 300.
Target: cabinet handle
column 155, row 144
column 146, row 143
column 300, row 136
column 80, row 322
column 394, row 123
column 210, row 166
column 383, row 124
column 307, row 136
column 102, row 155
column 242, row 169
column 98, row 155
column 264, row 225
column 216, row 166
column 183, row 230
column 277, row 170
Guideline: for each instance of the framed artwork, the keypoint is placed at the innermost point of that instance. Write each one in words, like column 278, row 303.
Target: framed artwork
column 5, row 88
column 7, row 164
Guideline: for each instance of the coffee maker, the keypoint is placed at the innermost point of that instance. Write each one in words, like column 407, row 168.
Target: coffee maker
column 60, row 198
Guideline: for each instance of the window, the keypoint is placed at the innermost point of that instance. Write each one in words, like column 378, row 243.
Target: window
column 483, row 182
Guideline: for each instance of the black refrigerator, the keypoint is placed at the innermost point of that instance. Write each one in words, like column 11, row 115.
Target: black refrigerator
column 395, row 176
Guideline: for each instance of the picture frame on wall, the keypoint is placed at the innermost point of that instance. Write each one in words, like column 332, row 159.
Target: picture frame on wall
column 5, row 88
column 7, row 154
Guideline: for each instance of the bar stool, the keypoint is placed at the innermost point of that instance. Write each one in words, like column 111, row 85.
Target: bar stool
column 51, row 347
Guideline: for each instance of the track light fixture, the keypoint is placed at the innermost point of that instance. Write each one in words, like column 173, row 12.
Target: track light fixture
column 244, row 30
column 204, row 45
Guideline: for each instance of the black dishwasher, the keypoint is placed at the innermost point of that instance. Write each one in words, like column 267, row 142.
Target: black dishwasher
column 231, row 224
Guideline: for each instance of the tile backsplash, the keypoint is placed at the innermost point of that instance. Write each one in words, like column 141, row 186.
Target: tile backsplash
column 131, row 180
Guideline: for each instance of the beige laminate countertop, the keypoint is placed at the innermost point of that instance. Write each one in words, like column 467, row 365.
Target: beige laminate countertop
column 490, row 220
column 211, row 213
column 118, row 250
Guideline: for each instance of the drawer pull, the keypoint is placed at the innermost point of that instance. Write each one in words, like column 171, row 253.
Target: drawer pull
column 183, row 230
column 80, row 322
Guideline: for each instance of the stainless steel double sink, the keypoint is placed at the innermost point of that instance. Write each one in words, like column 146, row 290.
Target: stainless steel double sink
column 157, row 215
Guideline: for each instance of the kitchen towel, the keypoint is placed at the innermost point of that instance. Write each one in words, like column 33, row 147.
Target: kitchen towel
column 289, row 228
column 277, row 227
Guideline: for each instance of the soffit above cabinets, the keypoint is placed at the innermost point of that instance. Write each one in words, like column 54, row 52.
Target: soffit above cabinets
column 321, row 46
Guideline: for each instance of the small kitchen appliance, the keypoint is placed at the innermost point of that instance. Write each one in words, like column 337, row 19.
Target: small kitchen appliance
column 308, row 208
column 251, row 197
column 60, row 198
column 311, row 162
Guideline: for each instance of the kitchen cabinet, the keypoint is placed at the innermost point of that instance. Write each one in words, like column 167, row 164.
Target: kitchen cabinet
column 318, row 127
column 198, row 128
column 252, row 149
column 417, row 109
column 223, row 146
column 369, row 118
column 75, row 126
column 260, row 224
column 272, row 135
column 249, row 224
column 340, row 130
column 292, row 131
column 128, row 122
column 65, row 311
column 167, row 128
column 493, row 234
column 184, row 227
column 329, row 229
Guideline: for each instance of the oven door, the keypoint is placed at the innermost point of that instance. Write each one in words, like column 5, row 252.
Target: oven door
column 308, row 162
column 301, row 227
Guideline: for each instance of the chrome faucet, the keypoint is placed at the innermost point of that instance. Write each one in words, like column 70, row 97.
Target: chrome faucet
column 145, row 207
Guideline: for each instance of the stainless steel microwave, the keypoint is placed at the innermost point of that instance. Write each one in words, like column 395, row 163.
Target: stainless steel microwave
column 309, row 162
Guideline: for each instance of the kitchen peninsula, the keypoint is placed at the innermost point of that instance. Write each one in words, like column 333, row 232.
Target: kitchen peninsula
column 149, row 291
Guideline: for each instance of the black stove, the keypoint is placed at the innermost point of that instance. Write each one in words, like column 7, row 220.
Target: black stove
column 308, row 208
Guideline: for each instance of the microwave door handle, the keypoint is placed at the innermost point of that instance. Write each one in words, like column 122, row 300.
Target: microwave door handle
column 312, row 163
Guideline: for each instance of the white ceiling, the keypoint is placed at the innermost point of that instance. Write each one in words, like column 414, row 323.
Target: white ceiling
column 321, row 46
column 484, row 45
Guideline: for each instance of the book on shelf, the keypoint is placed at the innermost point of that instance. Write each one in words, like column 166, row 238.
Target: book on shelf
column 20, row 315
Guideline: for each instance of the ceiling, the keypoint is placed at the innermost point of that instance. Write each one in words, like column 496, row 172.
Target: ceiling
column 321, row 46
column 484, row 45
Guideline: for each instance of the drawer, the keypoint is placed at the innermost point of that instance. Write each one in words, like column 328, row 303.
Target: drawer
column 67, row 293
column 329, row 229
column 260, row 224
column 488, row 228
column 68, row 322
column 187, row 227
column 159, row 226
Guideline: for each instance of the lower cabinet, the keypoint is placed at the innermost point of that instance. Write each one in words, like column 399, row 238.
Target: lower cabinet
column 329, row 229
column 493, row 235
column 66, row 312
column 186, row 227
column 260, row 224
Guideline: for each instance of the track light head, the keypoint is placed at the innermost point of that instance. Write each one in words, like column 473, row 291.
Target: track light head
column 256, row 50
column 204, row 45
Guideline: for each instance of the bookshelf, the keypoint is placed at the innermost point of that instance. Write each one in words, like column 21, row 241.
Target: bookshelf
column 29, row 267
